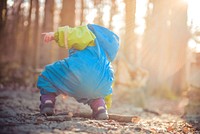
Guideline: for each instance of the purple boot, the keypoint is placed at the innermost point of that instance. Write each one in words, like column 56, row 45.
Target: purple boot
column 47, row 106
column 99, row 109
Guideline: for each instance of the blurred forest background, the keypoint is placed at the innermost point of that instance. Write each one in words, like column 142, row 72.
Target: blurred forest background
column 158, row 39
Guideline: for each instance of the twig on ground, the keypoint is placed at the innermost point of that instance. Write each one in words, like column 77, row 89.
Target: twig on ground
column 116, row 117
column 151, row 111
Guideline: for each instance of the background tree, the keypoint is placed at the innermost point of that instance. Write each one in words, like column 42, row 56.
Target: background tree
column 126, row 63
column 7, row 37
column 26, row 44
column 130, row 47
column 36, row 34
column 82, row 13
column 3, row 11
column 67, row 16
column 164, row 44
column 179, row 36
column 3, row 15
column 98, row 18
column 45, row 50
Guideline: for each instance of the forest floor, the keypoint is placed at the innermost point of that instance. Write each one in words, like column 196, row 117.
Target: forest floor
column 19, row 113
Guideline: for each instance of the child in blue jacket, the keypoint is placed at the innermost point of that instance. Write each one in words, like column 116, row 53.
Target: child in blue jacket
column 86, row 74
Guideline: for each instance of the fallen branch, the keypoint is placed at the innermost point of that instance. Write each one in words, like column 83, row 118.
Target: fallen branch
column 151, row 111
column 59, row 118
column 67, row 116
column 116, row 117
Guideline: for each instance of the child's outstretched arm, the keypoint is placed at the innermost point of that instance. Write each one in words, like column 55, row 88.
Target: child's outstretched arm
column 48, row 37
column 68, row 37
column 74, row 37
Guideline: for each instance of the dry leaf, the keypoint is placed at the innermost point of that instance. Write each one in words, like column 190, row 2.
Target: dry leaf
column 135, row 119
column 153, row 130
column 70, row 114
column 170, row 128
column 185, row 130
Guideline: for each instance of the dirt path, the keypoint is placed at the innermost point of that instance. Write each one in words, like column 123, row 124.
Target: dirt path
column 19, row 113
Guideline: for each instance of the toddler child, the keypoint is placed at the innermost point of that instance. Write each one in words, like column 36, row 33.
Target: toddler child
column 86, row 74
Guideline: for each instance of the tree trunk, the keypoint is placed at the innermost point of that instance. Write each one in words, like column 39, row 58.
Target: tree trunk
column 192, row 110
column 82, row 13
column 3, row 15
column 179, row 36
column 98, row 18
column 130, row 47
column 45, row 49
column 67, row 18
column 68, row 13
column 10, row 31
column 26, row 53
column 36, row 44
column 3, row 11
column 113, row 11
column 126, row 62
column 163, row 51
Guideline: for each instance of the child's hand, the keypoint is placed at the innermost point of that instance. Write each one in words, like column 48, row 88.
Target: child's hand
column 48, row 37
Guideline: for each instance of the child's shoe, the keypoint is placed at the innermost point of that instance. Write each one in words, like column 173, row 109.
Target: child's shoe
column 47, row 106
column 99, row 109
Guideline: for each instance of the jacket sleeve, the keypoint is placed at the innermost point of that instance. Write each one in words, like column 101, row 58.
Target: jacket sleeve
column 77, row 37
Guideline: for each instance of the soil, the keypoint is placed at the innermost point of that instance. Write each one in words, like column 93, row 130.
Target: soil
column 19, row 114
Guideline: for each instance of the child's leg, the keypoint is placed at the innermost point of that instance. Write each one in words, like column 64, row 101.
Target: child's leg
column 99, row 109
column 48, row 96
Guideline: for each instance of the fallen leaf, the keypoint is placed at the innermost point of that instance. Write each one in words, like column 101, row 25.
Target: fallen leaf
column 153, row 130
column 70, row 114
column 135, row 119
column 170, row 128
column 185, row 130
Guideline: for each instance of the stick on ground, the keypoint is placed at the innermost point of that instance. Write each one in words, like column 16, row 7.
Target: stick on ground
column 116, row 117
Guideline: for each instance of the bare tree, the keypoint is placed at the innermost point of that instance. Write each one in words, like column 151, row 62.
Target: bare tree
column 36, row 35
column 113, row 11
column 25, row 55
column 3, row 14
column 11, row 26
column 67, row 18
column 82, row 13
column 3, row 11
column 45, row 50
column 129, row 48
column 98, row 4
column 68, row 13
column 163, row 51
